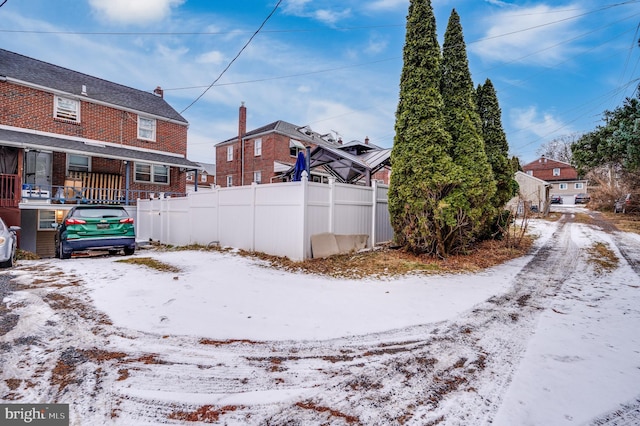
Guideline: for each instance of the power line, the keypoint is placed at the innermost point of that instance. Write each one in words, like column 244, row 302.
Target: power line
column 236, row 57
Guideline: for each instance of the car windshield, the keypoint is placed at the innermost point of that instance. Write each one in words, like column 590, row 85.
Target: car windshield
column 100, row 213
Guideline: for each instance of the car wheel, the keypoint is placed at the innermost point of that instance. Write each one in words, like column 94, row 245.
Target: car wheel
column 113, row 252
column 14, row 256
column 9, row 262
column 129, row 251
column 61, row 253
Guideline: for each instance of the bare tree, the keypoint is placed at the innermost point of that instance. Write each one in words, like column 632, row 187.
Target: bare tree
column 559, row 148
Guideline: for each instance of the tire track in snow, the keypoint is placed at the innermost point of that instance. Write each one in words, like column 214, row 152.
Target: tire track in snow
column 449, row 373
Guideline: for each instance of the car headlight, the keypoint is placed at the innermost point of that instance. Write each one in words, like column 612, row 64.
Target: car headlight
column 2, row 241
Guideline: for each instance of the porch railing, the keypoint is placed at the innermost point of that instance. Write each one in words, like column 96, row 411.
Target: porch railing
column 90, row 188
column 9, row 190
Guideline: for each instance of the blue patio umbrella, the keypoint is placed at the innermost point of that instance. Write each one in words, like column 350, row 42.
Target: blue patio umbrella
column 300, row 166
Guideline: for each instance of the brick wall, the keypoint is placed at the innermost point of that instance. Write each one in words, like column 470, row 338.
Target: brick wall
column 33, row 109
column 542, row 168
column 275, row 147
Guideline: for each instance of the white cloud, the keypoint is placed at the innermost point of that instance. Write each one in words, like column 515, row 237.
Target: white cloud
column 497, row 3
column 302, row 8
column 387, row 4
column 542, row 125
column 212, row 57
column 376, row 45
column 536, row 35
column 134, row 11
column 331, row 16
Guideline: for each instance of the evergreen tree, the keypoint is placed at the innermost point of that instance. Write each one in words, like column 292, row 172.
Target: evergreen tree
column 496, row 145
column 474, row 197
column 424, row 180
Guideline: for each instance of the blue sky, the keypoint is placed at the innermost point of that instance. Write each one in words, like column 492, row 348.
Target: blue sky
column 335, row 65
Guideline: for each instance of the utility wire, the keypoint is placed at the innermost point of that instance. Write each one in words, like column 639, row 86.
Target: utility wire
column 236, row 57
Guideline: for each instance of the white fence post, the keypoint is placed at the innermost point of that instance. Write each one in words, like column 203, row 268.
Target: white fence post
column 254, row 188
column 306, row 237
column 374, row 215
column 332, row 204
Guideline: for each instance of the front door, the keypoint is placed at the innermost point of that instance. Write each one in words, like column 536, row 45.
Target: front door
column 37, row 169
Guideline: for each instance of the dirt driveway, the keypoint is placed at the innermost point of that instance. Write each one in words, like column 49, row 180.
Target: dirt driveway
column 56, row 347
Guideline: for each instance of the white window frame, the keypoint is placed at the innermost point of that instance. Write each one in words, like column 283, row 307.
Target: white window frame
column 563, row 186
column 257, row 147
column 147, row 128
column 257, row 176
column 579, row 185
column 155, row 173
column 230, row 153
column 229, row 181
column 203, row 177
column 76, row 167
column 66, row 109
column 556, row 171
column 46, row 218
column 530, row 172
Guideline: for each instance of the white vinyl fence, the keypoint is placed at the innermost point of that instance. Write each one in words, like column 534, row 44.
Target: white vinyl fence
column 277, row 219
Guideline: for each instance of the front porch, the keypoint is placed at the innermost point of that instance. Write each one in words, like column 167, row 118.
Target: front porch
column 79, row 188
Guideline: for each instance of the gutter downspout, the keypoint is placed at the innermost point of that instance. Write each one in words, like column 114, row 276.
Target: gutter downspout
column 126, row 183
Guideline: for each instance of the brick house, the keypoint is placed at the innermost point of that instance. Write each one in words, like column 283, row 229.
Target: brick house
column 268, row 154
column 67, row 137
column 562, row 177
column 205, row 178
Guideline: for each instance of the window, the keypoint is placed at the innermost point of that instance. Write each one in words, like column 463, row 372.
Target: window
column 530, row 172
column 203, row 177
column 579, row 185
column 146, row 128
column 78, row 163
column 46, row 220
column 229, row 181
column 257, row 176
column 67, row 109
column 295, row 147
column 563, row 186
column 152, row 173
column 230, row 153
column 257, row 147
column 556, row 172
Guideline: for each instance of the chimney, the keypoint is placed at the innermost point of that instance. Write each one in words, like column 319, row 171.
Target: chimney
column 159, row 92
column 339, row 140
column 242, row 121
column 366, row 140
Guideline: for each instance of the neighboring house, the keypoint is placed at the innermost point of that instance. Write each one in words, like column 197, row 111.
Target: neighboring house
column 533, row 193
column 562, row 176
column 68, row 137
column 268, row 154
column 199, row 179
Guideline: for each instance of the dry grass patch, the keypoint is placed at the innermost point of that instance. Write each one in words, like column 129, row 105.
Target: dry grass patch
column 624, row 222
column 602, row 258
column 152, row 263
column 387, row 262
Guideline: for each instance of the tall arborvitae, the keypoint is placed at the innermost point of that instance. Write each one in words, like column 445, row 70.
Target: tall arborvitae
column 495, row 142
column 474, row 197
column 424, row 176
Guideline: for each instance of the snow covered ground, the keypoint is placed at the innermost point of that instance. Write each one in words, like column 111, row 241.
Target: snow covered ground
column 547, row 339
